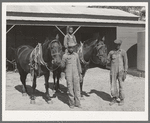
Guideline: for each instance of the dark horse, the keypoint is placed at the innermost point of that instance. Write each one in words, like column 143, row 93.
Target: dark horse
column 92, row 53
column 49, row 57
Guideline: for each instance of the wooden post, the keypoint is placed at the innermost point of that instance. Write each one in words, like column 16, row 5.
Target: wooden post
column 60, row 30
column 10, row 29
column 76, row 30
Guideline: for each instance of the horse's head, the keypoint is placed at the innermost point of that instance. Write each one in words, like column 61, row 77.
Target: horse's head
column 52, row 51
column 99, row 55
column 56, row 52
column 85, row 49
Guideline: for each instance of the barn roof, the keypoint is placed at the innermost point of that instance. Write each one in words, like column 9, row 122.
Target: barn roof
column 68, row 15
column 68, row 10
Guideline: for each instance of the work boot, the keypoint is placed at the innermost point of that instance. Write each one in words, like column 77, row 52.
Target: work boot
column 121, row 102
column 113, row 101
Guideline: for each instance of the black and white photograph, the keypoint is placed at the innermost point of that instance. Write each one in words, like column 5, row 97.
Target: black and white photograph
column 74, row 61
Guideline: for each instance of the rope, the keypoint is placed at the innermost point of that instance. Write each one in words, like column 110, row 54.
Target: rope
column 51, row 69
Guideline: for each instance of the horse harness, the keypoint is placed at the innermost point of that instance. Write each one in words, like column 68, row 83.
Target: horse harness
column 58, row 53
column 36, row 60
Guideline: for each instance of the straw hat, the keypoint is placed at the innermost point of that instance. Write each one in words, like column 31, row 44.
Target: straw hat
column 71, row 44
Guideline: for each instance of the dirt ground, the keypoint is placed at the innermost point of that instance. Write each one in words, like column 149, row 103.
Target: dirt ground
column 96, row 89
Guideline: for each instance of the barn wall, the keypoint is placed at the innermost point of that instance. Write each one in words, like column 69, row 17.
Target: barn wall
column 129, row 37
column 110, row 36
column 31, row 35
column 141, row 51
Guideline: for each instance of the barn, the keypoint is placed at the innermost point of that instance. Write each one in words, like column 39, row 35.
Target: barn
column 30, row 24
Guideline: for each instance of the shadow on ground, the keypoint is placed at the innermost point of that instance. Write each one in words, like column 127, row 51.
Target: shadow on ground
column 105, row 96
column 29, row 91
column 61, row 94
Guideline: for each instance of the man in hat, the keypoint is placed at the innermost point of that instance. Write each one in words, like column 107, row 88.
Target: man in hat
column 69, row 37
column 71, row 63
column 119, row 65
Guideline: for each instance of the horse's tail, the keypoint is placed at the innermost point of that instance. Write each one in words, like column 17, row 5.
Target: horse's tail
column 16, row 54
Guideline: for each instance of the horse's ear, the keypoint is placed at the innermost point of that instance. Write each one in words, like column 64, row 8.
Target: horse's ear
column 57, row 36
column 103, row 39
column 97, row 40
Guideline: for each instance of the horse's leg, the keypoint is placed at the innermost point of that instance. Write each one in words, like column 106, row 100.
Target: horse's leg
column 58, row 78
column 54, row 78
column 23, row 80
column 33, row 91
column 81, row 85
column 47, row 86
column 23, row 76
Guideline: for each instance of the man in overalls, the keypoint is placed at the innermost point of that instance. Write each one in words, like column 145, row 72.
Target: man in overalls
column 71, row 63
column 119, row 66
column 69, row 38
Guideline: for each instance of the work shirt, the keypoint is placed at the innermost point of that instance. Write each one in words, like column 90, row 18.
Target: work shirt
column 118, row 60
column 69, row 38
column 71, row 63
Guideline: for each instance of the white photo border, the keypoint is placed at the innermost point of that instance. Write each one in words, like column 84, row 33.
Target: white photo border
column 72, row 115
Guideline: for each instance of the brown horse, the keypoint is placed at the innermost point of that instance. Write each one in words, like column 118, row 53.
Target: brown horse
column 29, row 61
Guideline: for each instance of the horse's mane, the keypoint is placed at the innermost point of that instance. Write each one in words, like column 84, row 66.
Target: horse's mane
column 47, row 42
column 88, row 42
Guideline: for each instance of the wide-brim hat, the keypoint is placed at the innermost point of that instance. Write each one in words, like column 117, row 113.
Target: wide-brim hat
column 117, row 41
column 71, row 44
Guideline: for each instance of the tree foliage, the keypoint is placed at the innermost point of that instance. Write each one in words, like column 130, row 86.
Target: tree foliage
column 136, row 10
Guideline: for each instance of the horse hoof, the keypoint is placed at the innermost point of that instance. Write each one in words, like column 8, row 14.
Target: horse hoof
column 32, row 102
column 24, row 94
column 50, row 102
column 82, row 98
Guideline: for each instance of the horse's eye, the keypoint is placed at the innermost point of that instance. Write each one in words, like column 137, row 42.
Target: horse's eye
column 54, row 55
